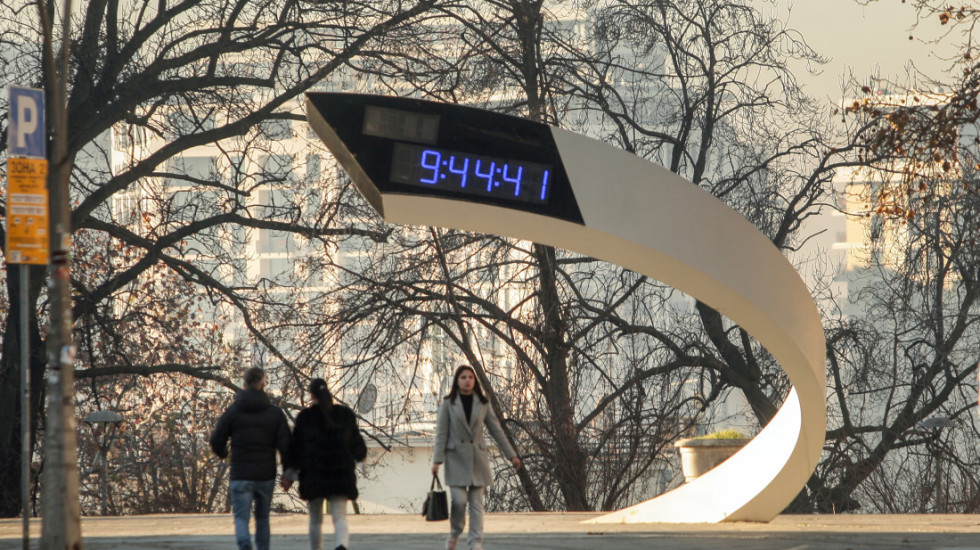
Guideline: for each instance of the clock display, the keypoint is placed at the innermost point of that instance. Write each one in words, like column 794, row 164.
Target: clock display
column 477, row 175
column 410, row 147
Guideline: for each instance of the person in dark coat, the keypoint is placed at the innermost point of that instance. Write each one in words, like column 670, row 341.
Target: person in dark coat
column 257, row 429
column 322, row 454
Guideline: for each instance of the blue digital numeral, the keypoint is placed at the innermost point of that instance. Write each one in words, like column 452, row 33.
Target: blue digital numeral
column 461, row 172
column 544, row 185
column 488, row 175
column 515, row 180
column 434, row 165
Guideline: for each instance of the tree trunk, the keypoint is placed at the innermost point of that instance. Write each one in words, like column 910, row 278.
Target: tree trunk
column 60, row 505
column 570, row 461
column 742, row 372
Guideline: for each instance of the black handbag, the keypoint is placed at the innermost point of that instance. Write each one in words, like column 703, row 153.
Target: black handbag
column 436, row 506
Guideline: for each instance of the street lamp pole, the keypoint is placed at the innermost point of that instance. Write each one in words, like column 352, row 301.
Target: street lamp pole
column 939, row 425
column 109, row 420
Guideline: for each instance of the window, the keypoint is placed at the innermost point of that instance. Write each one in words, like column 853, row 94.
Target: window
column 313, row 202
column 275, row 204
column 183, row 123
column 877, row 228
column 272, row 268
column 122, row 139
column 188, row 171
column 126, row 208
column 191, row 205
column 236, row 239
column 274, row 242
column 275, row 129
column 236, row 171
column 236, row 271
column 182, row 206
column 278, row 169
column 313, row 168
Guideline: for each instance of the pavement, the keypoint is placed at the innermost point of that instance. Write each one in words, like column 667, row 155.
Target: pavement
column 544, row 531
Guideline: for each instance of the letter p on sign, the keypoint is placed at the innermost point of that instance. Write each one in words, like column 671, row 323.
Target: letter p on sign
column 26, row 128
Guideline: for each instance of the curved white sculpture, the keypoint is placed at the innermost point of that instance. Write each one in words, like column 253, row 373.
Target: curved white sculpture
column 648, row 219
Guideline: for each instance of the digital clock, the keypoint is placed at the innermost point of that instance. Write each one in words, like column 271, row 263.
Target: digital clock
column 401, row 147
column 476, row 175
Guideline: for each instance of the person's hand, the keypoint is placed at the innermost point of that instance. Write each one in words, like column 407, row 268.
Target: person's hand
column 285, row 484
column 516, row 462
column 435, row 468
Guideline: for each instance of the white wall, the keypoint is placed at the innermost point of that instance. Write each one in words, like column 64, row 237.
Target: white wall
column 395, row 481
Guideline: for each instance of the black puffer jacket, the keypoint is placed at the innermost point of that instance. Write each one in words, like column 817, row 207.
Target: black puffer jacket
column 325, row 454
column 257, row 430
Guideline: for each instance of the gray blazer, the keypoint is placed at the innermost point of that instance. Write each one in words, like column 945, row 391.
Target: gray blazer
column 461, row 447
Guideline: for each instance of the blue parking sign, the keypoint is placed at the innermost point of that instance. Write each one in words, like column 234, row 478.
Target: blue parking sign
column 26, row 131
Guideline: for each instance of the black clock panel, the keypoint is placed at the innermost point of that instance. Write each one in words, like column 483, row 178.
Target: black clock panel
column 443, row 150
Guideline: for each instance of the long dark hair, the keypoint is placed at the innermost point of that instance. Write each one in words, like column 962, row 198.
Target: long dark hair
column 318, row 387
column 477, row 388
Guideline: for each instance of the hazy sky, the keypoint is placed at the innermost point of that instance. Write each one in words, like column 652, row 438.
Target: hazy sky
column 863, row 39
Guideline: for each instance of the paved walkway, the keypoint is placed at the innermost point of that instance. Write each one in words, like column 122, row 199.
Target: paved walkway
column 544, row 531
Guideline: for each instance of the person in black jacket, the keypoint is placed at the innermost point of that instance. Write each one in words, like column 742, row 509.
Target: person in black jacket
column 257, row 430
column 322, row 454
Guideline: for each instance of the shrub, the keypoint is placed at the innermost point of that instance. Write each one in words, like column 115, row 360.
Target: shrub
column 724, row 434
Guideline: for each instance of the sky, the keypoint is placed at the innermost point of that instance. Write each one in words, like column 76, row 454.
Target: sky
column 867, row 40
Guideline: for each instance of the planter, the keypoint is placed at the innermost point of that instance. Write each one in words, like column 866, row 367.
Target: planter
column 700, row 455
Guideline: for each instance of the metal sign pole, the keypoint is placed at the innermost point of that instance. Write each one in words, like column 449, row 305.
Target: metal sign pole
column 27, row 243
column 25, row 408
column 26, row 240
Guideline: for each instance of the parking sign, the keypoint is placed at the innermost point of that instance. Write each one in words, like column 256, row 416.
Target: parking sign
column 27, row 171
column 26, row 125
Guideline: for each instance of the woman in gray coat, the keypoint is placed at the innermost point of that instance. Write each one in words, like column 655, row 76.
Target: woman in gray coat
column 463, row 414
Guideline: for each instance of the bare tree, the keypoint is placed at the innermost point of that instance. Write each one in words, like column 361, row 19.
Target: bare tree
column 157, row 459
column 163, row 80
column 905, row 357
column 902, row 354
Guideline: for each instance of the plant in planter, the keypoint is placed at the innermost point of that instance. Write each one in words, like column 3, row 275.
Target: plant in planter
column 700, row 454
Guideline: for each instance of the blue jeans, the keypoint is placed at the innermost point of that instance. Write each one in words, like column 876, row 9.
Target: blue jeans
column 243, row 494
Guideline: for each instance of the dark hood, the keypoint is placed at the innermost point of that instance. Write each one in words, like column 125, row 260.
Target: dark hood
column 252, row 401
